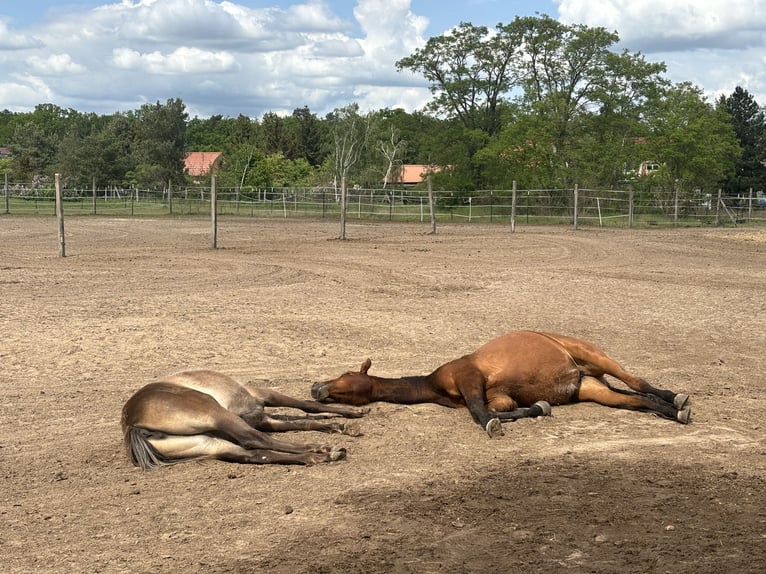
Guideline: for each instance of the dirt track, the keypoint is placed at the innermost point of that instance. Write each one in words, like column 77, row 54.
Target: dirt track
column 282, row 303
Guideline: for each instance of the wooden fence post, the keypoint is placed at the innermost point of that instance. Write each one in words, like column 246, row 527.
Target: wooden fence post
column 213, row 214
column 431, row 202
column 60, row 216
column 576, row 194
column 513, row 207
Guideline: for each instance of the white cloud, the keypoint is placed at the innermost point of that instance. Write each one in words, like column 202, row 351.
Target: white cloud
column 222, row 57
column 235, row 56
column 25, row 92
column 54, row 64
column 663, row 26
column 181, row 61
column 716, row 44
column 10, row 40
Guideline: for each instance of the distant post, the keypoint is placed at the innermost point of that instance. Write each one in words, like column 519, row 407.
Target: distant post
column 513, row 207
column 170, row 197
column 94, row 195
column 8, row 204
column 213, row 214
column 576, row 199
column 431, row 204
column 60, row 216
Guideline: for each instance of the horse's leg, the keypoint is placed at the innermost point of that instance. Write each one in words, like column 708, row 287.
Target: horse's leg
column 593, row 361
column 539, row 409
column 273, row 424
column 250, row 438
column 195, row 413
column 471, row 383
column 595, row 390
column 173, row 447
column 505, row 408
column 271, row 398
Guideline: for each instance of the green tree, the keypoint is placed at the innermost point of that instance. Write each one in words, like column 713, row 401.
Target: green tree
column 693, row 141
column 469, row 72
column 160, row 145
column 306, row 133
column 749, row 123
column 33, row 152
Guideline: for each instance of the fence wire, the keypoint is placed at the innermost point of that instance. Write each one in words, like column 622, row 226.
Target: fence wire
column 621, row 208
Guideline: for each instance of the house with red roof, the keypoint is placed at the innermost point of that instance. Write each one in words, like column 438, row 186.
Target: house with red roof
column 412, row 174
column 200, row 163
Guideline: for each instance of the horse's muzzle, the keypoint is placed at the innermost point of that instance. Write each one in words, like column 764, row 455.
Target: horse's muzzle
column 320, row 392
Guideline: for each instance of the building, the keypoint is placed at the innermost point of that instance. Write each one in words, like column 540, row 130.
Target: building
column 199, row 163
column 411, row 174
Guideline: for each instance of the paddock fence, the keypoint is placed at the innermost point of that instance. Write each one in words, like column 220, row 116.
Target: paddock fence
column 575, row 206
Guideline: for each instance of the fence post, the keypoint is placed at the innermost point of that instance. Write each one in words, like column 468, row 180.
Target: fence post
column 513, row 207
column 431, row 206
column 60, row 216
column 213, row 213
column 170, row 197
column 8, row 203
column 576, row 196
column 718, row 208
column 630, row 207
column 749, row 201
column 94, row 195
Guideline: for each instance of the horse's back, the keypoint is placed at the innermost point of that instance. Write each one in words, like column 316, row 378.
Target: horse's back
column 226, row 390
column 528, row 366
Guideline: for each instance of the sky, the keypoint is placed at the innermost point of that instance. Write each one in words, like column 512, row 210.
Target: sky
column 232, row 57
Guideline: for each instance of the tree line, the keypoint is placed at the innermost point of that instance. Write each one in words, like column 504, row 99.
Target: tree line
column 534, row 101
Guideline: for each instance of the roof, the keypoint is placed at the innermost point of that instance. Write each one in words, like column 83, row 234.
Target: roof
column 412, row 173
column 199, row 163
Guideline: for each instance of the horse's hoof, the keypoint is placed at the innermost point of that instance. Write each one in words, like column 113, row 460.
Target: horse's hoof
column 680, row 400
column 494, row 428
column 351, row 429
column 338, row 454
column 545, row 406
column 684, row 416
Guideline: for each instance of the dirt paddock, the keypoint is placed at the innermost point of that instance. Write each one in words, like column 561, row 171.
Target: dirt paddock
column 285, row 304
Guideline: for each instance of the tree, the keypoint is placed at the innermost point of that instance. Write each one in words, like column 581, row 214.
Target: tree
column 693, row 141
column 160, row 143
column 307, row 135
column 349, row 133
column 33, row 151
column 469, row 72
column 573, row 97
column 749, row 123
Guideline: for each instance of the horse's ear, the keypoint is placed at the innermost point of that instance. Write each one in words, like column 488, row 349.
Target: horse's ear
column 365, row 366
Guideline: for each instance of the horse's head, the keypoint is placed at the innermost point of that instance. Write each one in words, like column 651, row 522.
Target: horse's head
column 352, row 388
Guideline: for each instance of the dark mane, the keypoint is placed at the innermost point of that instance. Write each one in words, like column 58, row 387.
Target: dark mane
column 414, row 378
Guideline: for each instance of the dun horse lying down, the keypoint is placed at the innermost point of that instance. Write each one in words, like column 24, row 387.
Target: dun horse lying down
column 517, row 375
column 204, row 414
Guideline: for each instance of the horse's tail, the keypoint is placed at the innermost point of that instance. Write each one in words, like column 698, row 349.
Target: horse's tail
column 140, row 451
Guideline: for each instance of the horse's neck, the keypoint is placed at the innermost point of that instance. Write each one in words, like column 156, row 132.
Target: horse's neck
column 405, row 390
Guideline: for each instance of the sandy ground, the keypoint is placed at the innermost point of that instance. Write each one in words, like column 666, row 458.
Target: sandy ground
column 285, row 304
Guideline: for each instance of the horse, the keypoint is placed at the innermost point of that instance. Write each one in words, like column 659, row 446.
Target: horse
column 204, row 414
column 517, row 375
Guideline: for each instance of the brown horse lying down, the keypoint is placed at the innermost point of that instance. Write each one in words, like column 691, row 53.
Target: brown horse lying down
column 204, row 414
column 517, row 375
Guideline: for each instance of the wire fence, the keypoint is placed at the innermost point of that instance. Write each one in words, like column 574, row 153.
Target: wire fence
column 616, row 208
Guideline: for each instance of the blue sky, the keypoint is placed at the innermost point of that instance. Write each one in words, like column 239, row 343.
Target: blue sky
column 250, row 57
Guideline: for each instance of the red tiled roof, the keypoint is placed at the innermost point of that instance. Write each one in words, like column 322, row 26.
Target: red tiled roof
column 412, row 173
column 198, row 163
